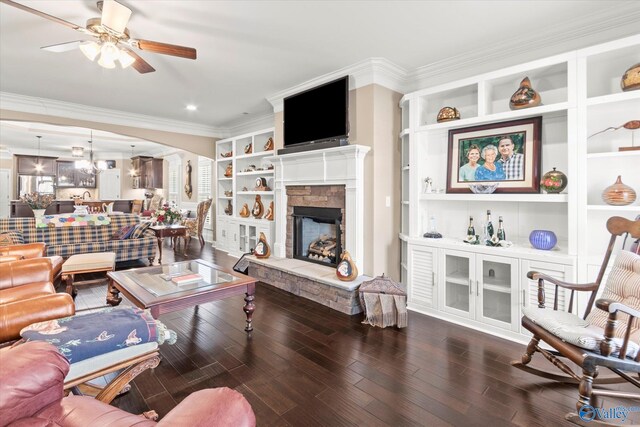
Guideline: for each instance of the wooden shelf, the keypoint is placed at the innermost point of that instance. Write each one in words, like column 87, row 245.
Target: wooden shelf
column 614, row 154
column 253, row 193
column 259, row 154
column 613, row 98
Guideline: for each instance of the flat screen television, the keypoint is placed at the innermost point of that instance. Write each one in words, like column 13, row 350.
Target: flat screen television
column 318, row 114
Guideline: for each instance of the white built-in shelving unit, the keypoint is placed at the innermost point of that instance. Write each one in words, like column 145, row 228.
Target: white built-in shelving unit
column 485, row 287
column 248, row 160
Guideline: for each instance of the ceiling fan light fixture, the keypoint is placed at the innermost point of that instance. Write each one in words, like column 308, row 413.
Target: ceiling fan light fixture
column 115, row 16
column 125, row 59
column 90, row 49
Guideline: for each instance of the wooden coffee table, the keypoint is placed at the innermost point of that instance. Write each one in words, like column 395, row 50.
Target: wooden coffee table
column 147, row 289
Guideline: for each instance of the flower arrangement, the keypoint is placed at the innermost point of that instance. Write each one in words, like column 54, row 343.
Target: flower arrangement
column 167, row 215
column 37, row 200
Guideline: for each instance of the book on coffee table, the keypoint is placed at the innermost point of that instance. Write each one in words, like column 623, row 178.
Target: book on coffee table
column 186, row 279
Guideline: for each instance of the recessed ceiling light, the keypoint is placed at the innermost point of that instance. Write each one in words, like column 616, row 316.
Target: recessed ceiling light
column 245, row 113
column 192, row 107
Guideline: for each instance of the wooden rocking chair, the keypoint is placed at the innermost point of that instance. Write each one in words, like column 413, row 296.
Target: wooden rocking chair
column 607, row 336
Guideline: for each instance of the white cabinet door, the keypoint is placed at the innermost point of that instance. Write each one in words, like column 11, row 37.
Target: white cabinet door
column 457, row 282
column 233, row 238
column 109, row 184
column 422, row 277
column 496, row 291
column 221, row 233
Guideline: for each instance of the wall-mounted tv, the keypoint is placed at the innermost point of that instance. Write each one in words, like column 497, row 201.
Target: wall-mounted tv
column 318, row 114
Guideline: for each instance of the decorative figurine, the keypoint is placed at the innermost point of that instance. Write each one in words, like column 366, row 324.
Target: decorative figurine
column 248, row 149
column 262, row 249
column 269, row 145
column 631, row 125
column 229, row 170
column 269, row 214
column 229, row 209
column 346, row 270
column 525, row 96
column 228, row 193
column 244, row 212
column 258, row 208
column 227, row 154
column 428, row 185
column 446, row 114
column 554, row 181
column 631, row 78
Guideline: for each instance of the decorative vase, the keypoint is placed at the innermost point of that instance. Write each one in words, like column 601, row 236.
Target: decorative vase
column 447, row 114
column 346, row 270
column 525, row 96
column 38, row 213
column 631, row 78
column 258, row 208
column 554, row 181
column 262, row 250
column 619, row 194
column 543, row 239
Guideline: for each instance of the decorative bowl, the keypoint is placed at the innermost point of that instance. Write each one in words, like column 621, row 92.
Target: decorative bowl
column 543, row 239
column 483, row 188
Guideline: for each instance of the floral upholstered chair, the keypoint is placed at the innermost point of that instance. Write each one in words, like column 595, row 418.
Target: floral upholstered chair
column 195, row 225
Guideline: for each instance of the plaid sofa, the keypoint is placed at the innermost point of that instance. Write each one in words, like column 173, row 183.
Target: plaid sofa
column 67, row 241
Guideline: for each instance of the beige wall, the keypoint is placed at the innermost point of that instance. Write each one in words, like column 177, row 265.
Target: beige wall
column 196, row 144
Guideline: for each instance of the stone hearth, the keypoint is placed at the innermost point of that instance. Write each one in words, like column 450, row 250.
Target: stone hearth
column 311, row 281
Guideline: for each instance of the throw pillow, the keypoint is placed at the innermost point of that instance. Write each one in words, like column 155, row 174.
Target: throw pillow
column 138, row 230
column 13, row 237
column 123, row 232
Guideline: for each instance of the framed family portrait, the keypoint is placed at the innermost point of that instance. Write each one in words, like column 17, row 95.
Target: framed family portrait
column 506, row 154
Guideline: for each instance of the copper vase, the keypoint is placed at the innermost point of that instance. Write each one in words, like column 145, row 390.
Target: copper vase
column 631, row 78
column 525, row 96
column 619, row 194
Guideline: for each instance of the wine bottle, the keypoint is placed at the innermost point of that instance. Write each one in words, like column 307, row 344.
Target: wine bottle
column 501, row 233
column 489, row 225
column 471, row 231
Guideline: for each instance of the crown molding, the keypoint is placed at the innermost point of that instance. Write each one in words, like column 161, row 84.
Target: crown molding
column 379, row 71
column 252, row 125
column 619, row 22
column 51, row 107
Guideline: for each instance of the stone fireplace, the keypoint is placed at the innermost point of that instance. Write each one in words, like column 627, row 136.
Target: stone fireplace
column 315, row 223
column 330, row 178
column 320, row 194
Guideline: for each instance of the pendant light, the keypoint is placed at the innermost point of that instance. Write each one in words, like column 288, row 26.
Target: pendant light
column 132, row 171
column 89, row 166
column 38, row 166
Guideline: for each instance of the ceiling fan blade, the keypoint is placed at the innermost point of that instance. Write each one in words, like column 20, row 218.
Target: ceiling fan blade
column 62, row 47
column 165, row 48
column 46, row 16
column 115, row 16
column 140, row 65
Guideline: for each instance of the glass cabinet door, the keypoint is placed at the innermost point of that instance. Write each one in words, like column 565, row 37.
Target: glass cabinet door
column 496, row 290
column 66, row 177
column 458, row 287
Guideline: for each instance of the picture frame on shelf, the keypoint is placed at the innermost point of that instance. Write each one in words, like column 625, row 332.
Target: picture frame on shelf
column 475, row 156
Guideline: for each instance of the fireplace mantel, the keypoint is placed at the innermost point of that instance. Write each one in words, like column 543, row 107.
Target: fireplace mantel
column 332, row 166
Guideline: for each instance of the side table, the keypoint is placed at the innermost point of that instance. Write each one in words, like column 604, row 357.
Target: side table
column 173, row 231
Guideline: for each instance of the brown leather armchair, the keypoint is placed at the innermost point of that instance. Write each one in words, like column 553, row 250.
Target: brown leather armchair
column 27, row 296
column 29, row 251
column 31, row 382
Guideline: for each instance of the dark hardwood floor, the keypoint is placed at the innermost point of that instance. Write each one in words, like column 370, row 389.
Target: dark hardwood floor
column 307, row 365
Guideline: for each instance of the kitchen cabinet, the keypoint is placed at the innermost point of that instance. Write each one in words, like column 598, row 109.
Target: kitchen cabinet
column 149, row 172
column 27, row 165
column 152, row 177
column 422, row 273
column 68, row 176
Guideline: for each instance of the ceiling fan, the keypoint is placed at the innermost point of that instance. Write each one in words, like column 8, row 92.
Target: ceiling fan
column 113, row 41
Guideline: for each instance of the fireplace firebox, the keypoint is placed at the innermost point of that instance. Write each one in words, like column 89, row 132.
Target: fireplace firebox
column 317, row 234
